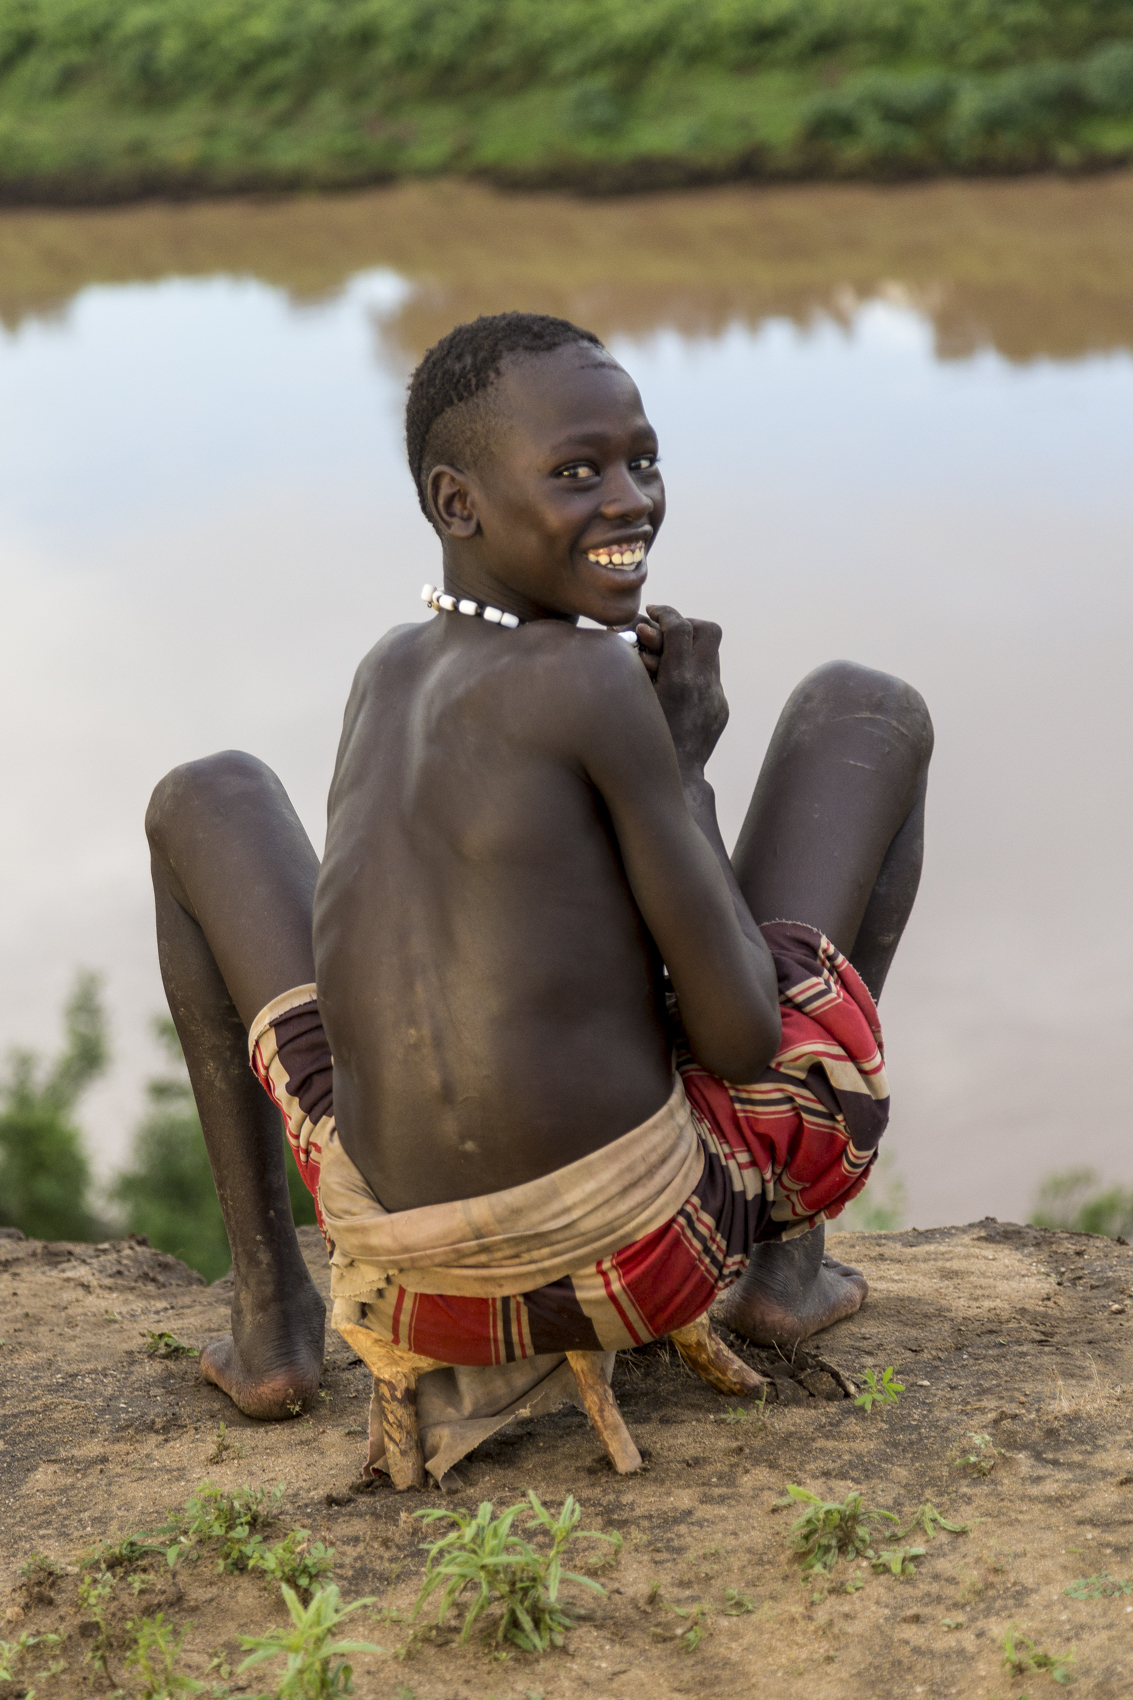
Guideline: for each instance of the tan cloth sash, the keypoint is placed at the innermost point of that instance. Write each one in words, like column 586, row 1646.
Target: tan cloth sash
column 523, row 1237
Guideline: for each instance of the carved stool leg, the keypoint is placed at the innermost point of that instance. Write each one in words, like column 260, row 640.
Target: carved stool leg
column 703, row 1351
column 602, row 1409
column 397, row 1396
column 395, row 1370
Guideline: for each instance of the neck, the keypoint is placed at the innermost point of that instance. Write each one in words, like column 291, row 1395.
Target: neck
column 470, row 581
column 444, row 602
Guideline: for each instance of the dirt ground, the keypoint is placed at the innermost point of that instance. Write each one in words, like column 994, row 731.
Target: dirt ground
column 1013, row 1333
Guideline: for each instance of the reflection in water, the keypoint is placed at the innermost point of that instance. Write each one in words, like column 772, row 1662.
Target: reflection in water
column 205, row 520
column 1041, row 266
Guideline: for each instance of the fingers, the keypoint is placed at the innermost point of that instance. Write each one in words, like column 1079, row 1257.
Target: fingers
column 676, row 633
column 681, row 636
column 650, row 643
column 649, row 635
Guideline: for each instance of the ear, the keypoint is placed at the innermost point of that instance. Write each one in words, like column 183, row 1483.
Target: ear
column 452, row 499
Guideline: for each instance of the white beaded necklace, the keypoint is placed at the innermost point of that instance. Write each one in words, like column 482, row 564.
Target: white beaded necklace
column 441, row 602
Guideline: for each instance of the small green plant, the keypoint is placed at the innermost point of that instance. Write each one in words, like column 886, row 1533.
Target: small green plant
column 296, row 1560
column 231, row 1520
column 736, row 1604
column 167, row 1346
column 689, row 1639
column 899, row 1561
column 316, row 1669
column 1020, row 1655
column 980, row 1459
column 485, row 1554
column 222, row 1446
column 1101, row 1587
column 740, row 1414
column 883, row 1392
column 687, row 1635
column 11, row 1654
column 94, row 1592
column 125, row 1554
column 154, row 1656
column 829, row 1529
column 38, row 1568
column 928, row 1519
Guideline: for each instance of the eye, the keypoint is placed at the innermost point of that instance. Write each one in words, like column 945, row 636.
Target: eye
column 644, row 463
column 579, row 470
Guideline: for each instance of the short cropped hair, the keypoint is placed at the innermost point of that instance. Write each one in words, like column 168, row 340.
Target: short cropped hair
column 458, row 369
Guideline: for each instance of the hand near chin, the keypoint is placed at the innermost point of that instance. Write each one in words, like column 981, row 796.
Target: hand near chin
column 682, row 657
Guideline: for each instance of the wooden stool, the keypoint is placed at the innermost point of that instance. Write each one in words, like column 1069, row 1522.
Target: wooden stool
column 703, row 1351
column 396, row 1372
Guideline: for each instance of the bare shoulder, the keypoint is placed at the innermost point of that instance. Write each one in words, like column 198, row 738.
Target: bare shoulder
column 592, row 698
column 582, row 668
column 398, row 644
column 394, row 651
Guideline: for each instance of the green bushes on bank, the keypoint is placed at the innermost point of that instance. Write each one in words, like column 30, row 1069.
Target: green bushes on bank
column 1078, row 1201
column 44, row 1172
column 104, row 97
column 166, row 1193
column 143, row 51
column 1034, row 115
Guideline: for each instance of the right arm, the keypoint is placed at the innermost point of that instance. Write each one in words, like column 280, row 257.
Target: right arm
column 720, row 967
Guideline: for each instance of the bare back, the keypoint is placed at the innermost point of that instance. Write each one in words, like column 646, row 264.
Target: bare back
column 491, row 991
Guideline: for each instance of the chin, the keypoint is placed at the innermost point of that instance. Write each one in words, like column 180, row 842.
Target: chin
column 616, row 611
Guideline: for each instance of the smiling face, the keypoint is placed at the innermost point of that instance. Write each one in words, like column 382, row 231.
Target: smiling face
column 565, row 498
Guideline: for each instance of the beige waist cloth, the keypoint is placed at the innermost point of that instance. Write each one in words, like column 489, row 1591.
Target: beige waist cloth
column 523, row 1237
column 499, row 1244
column 495, row 1246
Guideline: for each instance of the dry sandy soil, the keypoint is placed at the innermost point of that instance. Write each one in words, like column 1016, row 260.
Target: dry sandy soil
column 1016, row 1334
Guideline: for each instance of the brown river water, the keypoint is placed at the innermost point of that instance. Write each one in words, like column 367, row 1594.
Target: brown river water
column 896, row 424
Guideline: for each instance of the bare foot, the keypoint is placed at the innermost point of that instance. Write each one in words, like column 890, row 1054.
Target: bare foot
column 789, row 1290
column 271, row 1362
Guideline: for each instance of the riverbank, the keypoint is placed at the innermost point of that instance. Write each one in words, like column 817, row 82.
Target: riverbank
column 103, row 102
column 1031, row 267
column 1014, row 1349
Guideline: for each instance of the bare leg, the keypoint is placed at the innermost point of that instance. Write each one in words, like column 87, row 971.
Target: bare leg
column 834, row 837
column 234, row 878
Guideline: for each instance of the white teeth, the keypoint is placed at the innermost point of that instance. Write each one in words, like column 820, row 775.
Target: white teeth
column 623, row 558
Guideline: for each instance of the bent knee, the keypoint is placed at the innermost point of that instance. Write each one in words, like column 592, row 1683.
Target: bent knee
column 199, row 786
column 838, row 688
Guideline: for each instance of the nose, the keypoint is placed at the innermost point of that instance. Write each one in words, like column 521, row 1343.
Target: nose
column 624, row 499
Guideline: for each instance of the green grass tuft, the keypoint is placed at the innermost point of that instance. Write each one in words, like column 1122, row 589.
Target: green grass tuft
column 487, row 1557
column 316, row 1668
column 884, row 1392
column 1021, row 1656
column 830, row 1529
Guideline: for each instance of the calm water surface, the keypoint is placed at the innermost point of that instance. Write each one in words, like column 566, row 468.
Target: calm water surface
column 896, row 426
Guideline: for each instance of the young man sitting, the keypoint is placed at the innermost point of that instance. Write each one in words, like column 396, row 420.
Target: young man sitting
column 589, row 1073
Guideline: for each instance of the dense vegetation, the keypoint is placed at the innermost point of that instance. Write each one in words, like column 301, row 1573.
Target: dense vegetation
column 167, row 1192
column 104, row 97
column 1077, row 1200
column 44, row 1173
